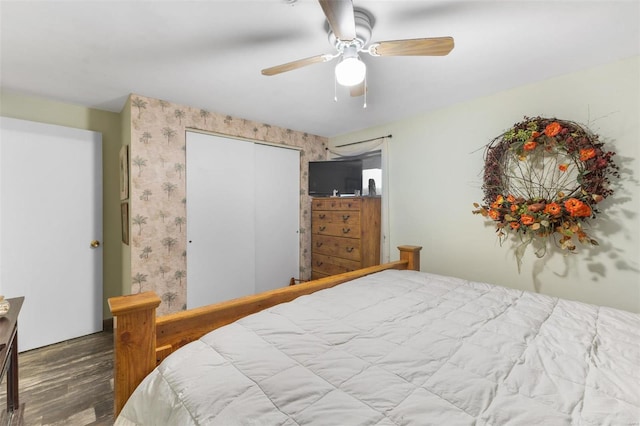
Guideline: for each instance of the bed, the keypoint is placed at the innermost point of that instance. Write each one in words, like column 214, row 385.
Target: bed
column 394, row 346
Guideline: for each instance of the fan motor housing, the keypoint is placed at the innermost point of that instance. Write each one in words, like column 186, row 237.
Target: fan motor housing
column 364, row 24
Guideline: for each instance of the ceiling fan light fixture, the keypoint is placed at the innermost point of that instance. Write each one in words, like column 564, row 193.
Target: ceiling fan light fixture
column 350, row 71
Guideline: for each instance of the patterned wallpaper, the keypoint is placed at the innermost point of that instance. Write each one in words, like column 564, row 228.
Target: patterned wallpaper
column 157, row 203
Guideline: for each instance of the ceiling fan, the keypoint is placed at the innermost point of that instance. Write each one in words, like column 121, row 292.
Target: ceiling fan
column 349, row 32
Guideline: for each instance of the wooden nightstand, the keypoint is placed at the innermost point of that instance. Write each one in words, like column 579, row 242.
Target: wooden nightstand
column 9, row 358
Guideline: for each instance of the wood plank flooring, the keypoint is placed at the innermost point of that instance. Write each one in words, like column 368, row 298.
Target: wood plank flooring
column 68, row 383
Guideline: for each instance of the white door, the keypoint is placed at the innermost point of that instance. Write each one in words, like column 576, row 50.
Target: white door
column 242, row 218
column 220, row 212
column 51, row 211
column 277, row 216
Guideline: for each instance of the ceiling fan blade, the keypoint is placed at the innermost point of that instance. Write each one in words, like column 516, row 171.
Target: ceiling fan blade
column 358, row 90
column 289, row 66
column 341, row 18
column 436, row 46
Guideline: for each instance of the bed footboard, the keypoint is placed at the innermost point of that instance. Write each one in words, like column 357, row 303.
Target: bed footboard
column 141, row 340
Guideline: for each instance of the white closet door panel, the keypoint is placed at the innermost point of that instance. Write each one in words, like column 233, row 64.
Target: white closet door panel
column 220, row 219
column 277, row 216
column 51, row 202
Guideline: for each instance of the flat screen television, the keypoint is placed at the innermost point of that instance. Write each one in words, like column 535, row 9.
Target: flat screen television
column 344, row 176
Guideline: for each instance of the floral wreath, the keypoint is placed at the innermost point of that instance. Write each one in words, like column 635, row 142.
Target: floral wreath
column 543, row 178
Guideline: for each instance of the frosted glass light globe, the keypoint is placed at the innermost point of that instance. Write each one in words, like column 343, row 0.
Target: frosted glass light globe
column 350, row 71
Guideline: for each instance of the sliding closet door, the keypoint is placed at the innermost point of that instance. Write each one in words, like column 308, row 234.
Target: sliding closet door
column 243, row 208
column 277, row 216
column 220, row 219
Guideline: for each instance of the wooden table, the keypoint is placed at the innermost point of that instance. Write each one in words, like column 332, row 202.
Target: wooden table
column 9, row 354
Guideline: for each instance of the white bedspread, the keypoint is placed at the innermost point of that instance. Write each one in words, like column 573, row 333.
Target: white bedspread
column 405, row 348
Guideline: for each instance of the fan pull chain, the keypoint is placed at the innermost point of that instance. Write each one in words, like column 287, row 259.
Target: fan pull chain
column 364, row 105
column 335, row 88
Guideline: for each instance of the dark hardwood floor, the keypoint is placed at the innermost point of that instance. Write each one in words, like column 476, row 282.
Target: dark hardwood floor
column 68, row 383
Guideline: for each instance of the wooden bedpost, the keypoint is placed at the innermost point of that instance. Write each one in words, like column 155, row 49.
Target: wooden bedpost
column 412, row 255
column 135, row 342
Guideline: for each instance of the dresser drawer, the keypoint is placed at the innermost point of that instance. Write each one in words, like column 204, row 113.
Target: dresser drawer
column 346, row 217
column 332, row 265
column 336, row 203
column 346, row 248
column 336, row 229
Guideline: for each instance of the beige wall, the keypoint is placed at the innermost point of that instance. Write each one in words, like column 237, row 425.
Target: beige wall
column 157, row 206
column 108, row 123
column 435, row 166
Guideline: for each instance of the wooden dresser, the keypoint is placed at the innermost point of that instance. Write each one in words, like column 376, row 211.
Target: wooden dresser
column 345, row 234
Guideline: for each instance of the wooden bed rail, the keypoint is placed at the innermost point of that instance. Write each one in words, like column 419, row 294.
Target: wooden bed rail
column 141, row 340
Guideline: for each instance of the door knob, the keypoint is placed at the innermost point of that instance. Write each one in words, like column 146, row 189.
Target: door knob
column 95, row 244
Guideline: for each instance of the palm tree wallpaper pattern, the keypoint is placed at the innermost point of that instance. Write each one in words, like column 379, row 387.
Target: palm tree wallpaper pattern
column 158, row 189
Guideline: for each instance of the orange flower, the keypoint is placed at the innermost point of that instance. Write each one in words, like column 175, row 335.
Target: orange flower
column 494, row 214
column 530, row 145
column 514, row 225
column 577, row 208
column 498, row 202
column 527, row 219
column 514, row 207
column 535, row 134
column 572, row 204
column 511, row 198
column 553, row 209
column 587, row 153
column 563, row 167
column 552, row 129
column 583, row 211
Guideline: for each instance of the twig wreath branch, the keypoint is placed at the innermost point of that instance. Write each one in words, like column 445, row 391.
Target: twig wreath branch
column 543, row 179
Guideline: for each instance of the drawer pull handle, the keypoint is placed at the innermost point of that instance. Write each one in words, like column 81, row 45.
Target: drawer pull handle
column 322, row 216
column 345, row 217
column 350, row 249
column 349, row 205
column 319, row 263
column 346, row 231
column 318, row 244
column 322, row 228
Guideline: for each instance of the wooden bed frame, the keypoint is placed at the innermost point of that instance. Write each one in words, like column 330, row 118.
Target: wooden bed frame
column 143, row 340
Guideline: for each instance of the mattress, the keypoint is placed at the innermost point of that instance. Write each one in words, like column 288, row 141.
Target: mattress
column 404, row 348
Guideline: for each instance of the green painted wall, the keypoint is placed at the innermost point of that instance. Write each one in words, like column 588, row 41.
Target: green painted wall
column 109, row 124
column 435, row 176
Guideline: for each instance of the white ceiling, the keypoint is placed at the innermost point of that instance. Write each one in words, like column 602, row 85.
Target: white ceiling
column 208, row 54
